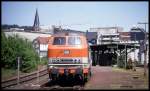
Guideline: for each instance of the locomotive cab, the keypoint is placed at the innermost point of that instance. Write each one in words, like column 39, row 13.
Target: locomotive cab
column 68, row 55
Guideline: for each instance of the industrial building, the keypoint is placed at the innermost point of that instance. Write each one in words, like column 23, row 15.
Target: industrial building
column 107, row 35
column 109, row 40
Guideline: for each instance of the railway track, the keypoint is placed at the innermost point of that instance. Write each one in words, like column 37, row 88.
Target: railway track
column 44, row 83
column 26, row 78
column 57, row 86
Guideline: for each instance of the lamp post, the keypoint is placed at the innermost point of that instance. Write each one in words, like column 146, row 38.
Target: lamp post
column 18, row 78
column 134, row 45
column 134, row 62
column 38, row 73
column 117, row 56
column 145, row 50
column 125, row 56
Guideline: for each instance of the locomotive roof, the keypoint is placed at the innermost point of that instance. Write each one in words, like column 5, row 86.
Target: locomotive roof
column 68, row 34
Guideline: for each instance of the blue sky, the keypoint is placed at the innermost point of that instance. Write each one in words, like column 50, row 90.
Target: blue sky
column 76, row 15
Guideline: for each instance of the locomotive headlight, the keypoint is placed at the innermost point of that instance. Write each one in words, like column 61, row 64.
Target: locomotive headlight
column 76, row 60
column 79, row 61
column 54, row 60
column 57, row 60
column 84, row 60
column 50, row 66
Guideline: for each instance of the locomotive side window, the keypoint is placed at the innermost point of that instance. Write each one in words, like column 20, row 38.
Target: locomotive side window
column 59, row 41
column 74, row 41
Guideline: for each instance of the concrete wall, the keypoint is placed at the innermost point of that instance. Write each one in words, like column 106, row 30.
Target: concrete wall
column 27, row 35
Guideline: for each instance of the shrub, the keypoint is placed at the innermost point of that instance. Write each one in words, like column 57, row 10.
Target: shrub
column 129, row 64
column 13, row 47
column 121, row 62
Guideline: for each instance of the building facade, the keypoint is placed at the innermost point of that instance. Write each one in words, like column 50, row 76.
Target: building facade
column 138, row 34
column 124, row 36
column 107, row 35
column 91, row 37
column 46, row 29
column 111, row 35
column 41, row 45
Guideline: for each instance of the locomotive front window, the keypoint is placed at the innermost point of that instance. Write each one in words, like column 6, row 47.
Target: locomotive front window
column 74, row 41
column 59, row 41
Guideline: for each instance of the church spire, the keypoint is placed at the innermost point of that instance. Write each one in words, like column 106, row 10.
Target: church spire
column 36, row 22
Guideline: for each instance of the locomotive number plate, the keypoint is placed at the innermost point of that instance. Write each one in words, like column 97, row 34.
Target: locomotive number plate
column 66, row 51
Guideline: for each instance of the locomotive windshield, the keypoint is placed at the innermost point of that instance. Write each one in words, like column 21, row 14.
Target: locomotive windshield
column 71, row 41
column 74, row 41
column 59, row 41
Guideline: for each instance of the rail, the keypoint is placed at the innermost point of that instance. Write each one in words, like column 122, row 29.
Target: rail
column 31, row 76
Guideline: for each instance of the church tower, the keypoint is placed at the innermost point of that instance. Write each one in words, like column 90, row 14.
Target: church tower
column 36, row 22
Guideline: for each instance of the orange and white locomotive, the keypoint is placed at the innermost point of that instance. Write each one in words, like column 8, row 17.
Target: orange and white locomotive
column 68, row 54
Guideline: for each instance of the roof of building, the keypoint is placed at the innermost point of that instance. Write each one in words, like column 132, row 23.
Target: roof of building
column 43, row 40
column 56, row 30
column 68, row 34
column 113, row 45
column 124, row 33
column 105, row 27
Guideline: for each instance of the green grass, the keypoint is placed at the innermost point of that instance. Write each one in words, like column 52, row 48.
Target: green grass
column 7, row 73
column 43, row 61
